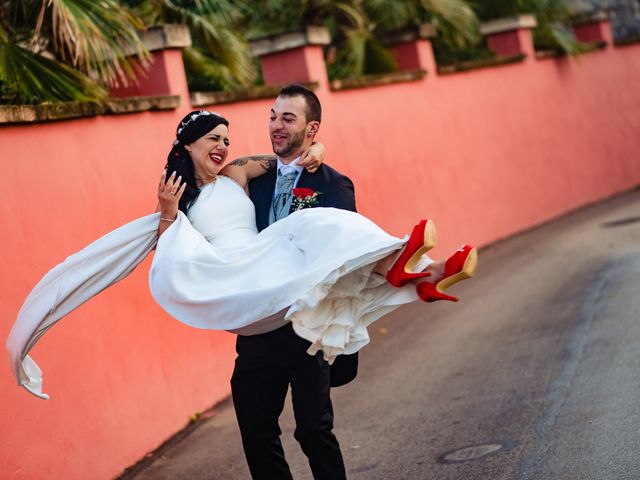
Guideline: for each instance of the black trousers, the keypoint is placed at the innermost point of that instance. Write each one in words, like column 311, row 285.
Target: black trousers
column 265, row 366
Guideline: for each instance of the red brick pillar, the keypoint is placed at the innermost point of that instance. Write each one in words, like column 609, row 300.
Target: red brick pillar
column 593, row 28
column 294, row 57
column 511, row 36
column 165, row 75
column 412, row 48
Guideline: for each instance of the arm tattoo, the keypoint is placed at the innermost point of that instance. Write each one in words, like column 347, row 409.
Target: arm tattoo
column 267, row 162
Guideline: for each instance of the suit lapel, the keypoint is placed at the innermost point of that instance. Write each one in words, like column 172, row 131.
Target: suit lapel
column 263, row 198
column 312, row 181
column 308, row 180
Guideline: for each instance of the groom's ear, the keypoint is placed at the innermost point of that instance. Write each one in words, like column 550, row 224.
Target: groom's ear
column 312, row 128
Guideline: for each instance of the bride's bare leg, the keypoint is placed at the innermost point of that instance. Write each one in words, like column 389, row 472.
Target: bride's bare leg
column 436, row 268
column 383, row 266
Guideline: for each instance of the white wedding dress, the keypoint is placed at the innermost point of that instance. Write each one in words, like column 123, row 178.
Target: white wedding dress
column 213, row 270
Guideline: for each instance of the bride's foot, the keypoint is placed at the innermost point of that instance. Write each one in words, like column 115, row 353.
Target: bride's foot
column 435, row 270
column 459, row 266
column 422, row 239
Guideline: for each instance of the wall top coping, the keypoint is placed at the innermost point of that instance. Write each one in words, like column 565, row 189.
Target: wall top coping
column 483, row 63
column 422, row 31
column 46, row 112
column 591, row 17
column 377, row 80
column 310, row 35
column 508, row 24
column 201, row 99
column 589, row 48
column 629, row 40
column 166, row 36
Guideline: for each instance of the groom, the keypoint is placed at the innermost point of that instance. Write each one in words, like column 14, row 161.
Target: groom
column 272, row 357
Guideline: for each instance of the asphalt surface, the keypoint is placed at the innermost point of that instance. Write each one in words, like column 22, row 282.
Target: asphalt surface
column 536, row 373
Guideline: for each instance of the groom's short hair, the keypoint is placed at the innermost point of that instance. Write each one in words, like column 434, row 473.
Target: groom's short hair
column 314, row 110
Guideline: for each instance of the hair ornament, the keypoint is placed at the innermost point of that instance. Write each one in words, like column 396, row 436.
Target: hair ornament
column 193, row 118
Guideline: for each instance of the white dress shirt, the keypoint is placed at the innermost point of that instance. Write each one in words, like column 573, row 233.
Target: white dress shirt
column 283, row 169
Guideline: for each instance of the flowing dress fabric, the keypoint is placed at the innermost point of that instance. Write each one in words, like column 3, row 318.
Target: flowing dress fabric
column 71, row 283
column 213, row 270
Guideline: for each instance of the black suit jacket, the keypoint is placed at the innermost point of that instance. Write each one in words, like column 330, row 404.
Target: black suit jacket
column 336, row 191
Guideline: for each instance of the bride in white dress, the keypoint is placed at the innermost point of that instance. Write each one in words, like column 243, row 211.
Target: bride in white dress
column 334, row 271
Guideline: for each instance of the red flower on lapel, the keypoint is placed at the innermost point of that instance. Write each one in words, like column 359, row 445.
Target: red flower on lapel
column 304, row 198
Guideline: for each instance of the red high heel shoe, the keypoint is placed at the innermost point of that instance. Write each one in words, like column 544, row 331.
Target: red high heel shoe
column 422, row 239
column 459, row 266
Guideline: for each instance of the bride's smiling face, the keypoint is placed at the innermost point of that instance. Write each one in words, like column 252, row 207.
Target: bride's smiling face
column 209, row 152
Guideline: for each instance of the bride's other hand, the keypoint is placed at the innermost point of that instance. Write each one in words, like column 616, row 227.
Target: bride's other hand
column 169, row 193
column 313, row 157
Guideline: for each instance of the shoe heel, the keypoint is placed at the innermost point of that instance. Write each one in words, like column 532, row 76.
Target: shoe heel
column 454, row 273
column 423, row 238
column 468, row 270
column 429, row 293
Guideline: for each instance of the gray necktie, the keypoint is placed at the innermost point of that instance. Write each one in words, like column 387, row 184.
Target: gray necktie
column 284, row 185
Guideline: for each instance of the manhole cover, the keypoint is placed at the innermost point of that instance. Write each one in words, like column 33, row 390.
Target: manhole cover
column 471, row 453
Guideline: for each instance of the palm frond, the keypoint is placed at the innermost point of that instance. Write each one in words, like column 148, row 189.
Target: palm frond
column 265, row 17
column 350, row 57
column 211, row 31
column 378, row 59
column 353, row 15
column 150, row 12
column 95, row 37
column 224, row 44
column 553, row 17
column 359, row 51
column 556, row 36
column 227, row 11
column 392, row 15
column 26, row 77
column 498, row 8
column 361, row 54
column 205, row 73
column 456, row 16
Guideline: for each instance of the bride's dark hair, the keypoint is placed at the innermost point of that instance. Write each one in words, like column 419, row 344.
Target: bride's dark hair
column 193, row 126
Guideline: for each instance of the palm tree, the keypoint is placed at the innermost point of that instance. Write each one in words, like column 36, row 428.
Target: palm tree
column 220, row 58
column 357, row 26
column 57, row 50
column 552, row 33
column 455, row 21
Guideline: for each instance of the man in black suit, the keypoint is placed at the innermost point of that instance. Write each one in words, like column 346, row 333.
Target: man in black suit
column 273, row 357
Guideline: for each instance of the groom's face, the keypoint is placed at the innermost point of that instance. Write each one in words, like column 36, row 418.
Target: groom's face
column 288, row 127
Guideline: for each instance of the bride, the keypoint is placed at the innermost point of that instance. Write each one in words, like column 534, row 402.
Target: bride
column 334, row 271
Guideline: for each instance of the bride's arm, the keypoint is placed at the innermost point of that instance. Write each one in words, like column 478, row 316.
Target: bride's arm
column 169, row 193
column 244, row 169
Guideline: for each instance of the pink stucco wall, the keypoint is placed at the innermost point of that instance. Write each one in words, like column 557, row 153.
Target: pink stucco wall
column 486, row 154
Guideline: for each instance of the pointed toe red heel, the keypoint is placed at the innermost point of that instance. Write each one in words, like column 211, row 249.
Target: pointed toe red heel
column 459, row 266
column 422, row 239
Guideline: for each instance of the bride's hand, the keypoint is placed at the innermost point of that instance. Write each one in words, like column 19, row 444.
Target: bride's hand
column 313, row 157
column 169, row 193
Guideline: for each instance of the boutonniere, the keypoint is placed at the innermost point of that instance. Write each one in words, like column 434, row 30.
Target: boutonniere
column 304, row 198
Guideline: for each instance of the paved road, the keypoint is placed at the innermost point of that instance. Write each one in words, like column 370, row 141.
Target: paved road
column 540, row 362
